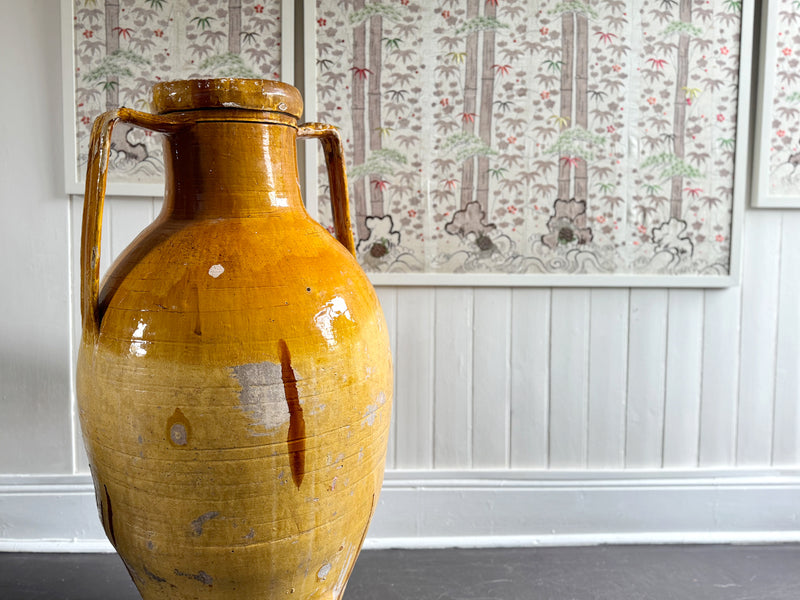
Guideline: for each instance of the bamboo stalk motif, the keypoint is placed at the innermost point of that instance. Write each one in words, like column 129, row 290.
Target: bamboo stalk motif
column 359, row 199
column 374, row 103
column 679, row 121
column 567, row 59
column 487, row 102
column 470, row 102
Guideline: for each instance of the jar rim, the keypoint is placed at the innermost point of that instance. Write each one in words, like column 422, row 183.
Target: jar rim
column 227, row 92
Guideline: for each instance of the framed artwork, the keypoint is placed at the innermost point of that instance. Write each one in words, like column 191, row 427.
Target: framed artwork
column 115, row 50
column 776, row 177
column 537, row 142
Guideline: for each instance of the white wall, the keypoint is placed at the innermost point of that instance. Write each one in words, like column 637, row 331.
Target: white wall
column 593, row 397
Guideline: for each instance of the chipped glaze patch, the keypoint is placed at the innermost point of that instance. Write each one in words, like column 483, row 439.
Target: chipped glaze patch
column 372, row 409
column 323, row 571
column 262, row 396
column 325, row 318
column 216, row 270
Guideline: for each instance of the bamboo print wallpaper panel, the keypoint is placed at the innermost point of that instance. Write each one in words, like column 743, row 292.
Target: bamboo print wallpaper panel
column 777, row 177
column 123, row 47
column 523, row 136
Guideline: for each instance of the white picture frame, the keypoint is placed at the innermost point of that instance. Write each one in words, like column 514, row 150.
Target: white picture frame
column 74, row 179
column 774, row 179
column 740, row 178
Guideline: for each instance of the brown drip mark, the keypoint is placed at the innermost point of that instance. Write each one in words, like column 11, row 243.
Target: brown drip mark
column 110, row 517
column 296, row 438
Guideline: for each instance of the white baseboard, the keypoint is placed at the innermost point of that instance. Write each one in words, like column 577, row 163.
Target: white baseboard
column 442, row 509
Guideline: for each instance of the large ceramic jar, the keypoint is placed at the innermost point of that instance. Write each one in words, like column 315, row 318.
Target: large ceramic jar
column 234, row 377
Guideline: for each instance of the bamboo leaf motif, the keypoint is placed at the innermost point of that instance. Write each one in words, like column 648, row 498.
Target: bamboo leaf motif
column 481, row 24
column 227, row 65
column 116, row 64
column 380, row 162
column 466, row 145
column 683, row 27
column 574, row 6
column 670, row 165
column 384, row 10
column 577, row 142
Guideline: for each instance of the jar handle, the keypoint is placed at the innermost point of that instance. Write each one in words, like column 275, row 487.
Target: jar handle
column 331, row 141
column 96, row 175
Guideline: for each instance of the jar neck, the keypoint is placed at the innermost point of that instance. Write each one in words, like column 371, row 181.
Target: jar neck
column 226, row 168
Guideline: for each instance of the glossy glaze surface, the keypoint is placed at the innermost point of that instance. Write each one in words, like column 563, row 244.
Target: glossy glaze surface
column 234, row 376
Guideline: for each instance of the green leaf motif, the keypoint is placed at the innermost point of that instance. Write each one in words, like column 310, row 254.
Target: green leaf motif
column 581, row 7
column 116, row 64
column 466, row 145
column 481, row 24
column 670, row 166
column 381, row 162
column 371, row 10
column 682, row 27
column 228, row 65
column 794, row 97
column 577, row 142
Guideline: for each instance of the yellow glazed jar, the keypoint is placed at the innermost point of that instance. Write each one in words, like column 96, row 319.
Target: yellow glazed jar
column 234, row 377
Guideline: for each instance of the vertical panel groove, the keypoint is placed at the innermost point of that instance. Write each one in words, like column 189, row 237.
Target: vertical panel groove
column 627, row 381
column 586, row 428
column 549, row 382
column 666, row 385
column 507, row 378
column 434, row 395
column 702, row 384
column 777, row 342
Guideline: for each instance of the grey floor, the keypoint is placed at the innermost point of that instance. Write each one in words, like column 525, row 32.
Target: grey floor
column 600, row 573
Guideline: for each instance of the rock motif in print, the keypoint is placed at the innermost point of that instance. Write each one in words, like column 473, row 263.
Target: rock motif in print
column 123, row 47
column 535, row 136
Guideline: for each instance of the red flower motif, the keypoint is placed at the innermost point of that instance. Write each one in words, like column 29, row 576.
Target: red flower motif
column 450, row 184
column 545, row 95
column 512, row 209
column 601, row 219
column 322, row 22
column 412, row 213
column 87, row 33
column 446, row 14
column 468, row 117
column 444, row 101
column 610, row 129
column 544, row 31
column 85, row 120
column 259, row 8
column 787, row 51
column 720, row 117
column 511, row 139
column 651, row 100
column 158, row 33
column 616, row 68
column 720, row 237
column 724, row 50
column 361, row 73
column 780, row 133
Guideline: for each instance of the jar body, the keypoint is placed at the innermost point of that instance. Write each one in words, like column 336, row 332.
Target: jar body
column 235, row 401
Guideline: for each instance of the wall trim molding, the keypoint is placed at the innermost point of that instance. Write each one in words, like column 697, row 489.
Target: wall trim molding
column 473, row 509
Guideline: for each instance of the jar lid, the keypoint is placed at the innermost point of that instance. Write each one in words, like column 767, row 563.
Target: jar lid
column 252, row 94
